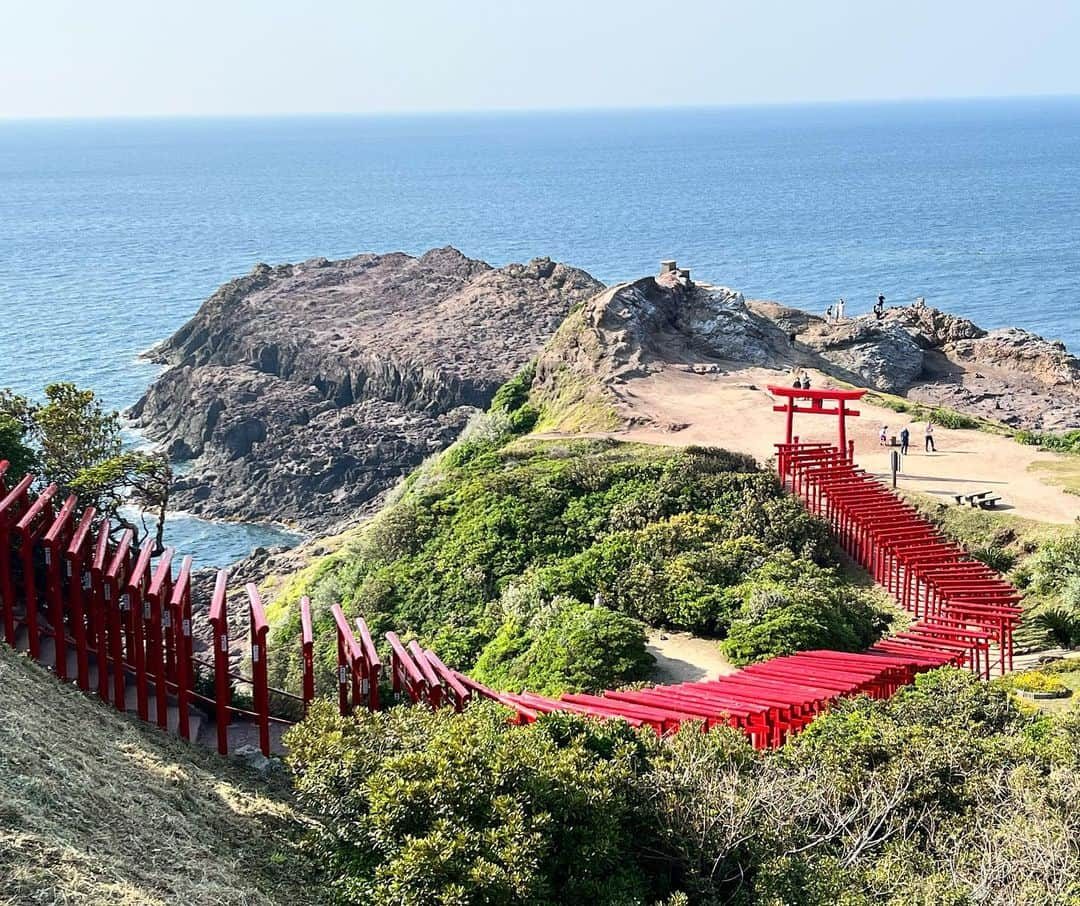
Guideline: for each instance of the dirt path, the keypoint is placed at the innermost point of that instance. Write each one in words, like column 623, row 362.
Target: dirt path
column 683, row 658
column 733, row 410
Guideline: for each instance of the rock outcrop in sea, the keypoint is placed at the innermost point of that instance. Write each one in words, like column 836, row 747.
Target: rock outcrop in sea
column 300, row 393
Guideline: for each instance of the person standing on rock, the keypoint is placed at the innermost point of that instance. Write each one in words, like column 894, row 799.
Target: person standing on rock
column 929, row 435
column 840, row 310
column 905, row 439
column 879, row 308
column 828, row 315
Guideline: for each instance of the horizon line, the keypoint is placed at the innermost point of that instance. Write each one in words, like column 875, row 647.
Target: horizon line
column 525, row 111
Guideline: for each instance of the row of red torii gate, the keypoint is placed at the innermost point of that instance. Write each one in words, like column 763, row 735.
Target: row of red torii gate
column 76, row 596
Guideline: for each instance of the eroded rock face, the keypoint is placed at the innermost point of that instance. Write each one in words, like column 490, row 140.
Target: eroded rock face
column 301, row 392
column 882, row 355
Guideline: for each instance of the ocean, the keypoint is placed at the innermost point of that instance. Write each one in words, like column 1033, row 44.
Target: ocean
column 113, row 232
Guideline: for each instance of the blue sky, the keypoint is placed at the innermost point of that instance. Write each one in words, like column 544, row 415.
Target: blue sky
column 121, row 58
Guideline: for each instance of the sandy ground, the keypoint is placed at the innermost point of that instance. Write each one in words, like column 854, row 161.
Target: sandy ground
column 733, row 410
column 683, row 658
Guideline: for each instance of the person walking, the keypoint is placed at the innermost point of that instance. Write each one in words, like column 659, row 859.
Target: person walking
column 905, row 439
column 929, row 435
column 883, row 435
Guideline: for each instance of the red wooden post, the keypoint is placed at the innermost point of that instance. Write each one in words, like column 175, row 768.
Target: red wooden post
column 13, row 505
column 350, row 659
column 180, row 605
column 83, row 625
column 219, row 619
column 406, row 672
column 307, row 643
column 26, row 529
column 99, row 610
column 374, row 664
column 260, row 681
column 453, row 686
column 434, row 686
column 157, row 632
column 53, row 545
column 139, row 608
column 115, row 603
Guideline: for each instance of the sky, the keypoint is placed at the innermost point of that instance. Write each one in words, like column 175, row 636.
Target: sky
column 152, row 58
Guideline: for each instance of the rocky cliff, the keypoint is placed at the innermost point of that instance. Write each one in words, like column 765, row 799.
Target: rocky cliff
column 299, row 393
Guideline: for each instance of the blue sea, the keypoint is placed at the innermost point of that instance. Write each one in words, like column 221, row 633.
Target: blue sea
column 113, row 232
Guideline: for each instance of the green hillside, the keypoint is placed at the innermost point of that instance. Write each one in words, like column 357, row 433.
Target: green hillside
column 538, row 562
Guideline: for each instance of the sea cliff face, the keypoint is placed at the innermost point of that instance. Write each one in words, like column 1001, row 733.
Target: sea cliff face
column 301, row 392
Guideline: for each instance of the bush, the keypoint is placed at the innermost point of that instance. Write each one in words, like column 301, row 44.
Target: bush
column 1061, row 624
column 933, row 796
column 21, row 458
column 791, row 605
column 569, row 646
column 422, row 807
column 1069, row 442
column 1054, row 564
column 949, row 418
column 1035, row 681
column 999, row 558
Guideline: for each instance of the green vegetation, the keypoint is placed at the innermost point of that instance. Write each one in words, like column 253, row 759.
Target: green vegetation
column 13, row 447
column 536, row 563
column 99, row 808
column 71, row 440
column 1034, row 681
column 1069, row 442
column 947, row 793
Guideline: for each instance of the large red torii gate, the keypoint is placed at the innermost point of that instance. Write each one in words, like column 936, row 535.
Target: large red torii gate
column 816, row 406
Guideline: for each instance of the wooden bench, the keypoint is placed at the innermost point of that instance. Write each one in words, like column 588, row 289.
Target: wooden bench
column 972, row 499
column 989, row 503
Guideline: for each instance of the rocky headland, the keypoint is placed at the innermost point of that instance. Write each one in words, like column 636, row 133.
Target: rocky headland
column 300, row 393
column 928, row 356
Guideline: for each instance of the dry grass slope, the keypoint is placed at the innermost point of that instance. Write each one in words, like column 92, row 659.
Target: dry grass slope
column 98, row 808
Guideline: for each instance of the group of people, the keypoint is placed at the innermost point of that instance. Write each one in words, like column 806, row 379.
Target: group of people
column 905, row 438
column 834, row 314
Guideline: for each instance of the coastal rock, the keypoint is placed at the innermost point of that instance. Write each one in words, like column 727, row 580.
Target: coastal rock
column 300, row 393
column 882, row 355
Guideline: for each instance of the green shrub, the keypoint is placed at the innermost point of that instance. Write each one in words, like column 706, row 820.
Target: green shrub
column 949, row 418
column 422, row 807
column 1054, row 564
column 1061, row 624
column 1069, row 442
column 21, row 458
column 1035, row 681
column 999, row 558
column 930, row 797
column 568, row 646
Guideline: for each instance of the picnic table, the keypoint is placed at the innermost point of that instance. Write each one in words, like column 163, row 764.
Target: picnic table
column 980, row 499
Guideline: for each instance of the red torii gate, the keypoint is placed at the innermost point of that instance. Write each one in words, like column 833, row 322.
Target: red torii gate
column 816, row 406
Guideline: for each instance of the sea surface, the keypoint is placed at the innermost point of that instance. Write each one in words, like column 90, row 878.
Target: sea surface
column 113, row 232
